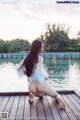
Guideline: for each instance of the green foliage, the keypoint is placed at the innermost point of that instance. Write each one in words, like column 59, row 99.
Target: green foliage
column 16, row 45
column 56, row 38
column 74, row 48
column 2, row 45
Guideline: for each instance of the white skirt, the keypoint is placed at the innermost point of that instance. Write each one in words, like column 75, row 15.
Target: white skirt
column 39, row 75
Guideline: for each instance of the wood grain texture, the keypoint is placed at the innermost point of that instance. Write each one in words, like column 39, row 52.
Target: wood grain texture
column 45, row 108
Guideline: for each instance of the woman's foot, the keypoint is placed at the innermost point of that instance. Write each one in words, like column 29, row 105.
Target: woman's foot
column 60, row 102
column 31, row 98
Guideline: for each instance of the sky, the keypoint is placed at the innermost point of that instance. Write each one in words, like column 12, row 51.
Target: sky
column 27, row 19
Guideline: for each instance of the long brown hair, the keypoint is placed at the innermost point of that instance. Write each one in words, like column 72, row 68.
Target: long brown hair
column 32, row 57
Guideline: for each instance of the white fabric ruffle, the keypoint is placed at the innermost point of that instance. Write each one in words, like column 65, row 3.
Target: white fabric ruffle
column 39, row 75
column 20, row 71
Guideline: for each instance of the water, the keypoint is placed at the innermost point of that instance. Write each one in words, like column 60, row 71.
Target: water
column 63, row 74
column 9, row 80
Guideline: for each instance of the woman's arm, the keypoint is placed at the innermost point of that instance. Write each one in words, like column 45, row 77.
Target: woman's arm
column 20, row 65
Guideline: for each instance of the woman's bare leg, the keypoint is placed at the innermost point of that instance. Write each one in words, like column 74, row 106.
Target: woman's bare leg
column 33, row 91
column 31, row 97
column 51, row 92
column 36, row 88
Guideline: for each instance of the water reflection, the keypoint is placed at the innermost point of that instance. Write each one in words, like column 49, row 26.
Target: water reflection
column 63, row 74
column 9, row 80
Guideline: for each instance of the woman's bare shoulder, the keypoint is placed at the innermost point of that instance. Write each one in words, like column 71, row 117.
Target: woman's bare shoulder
column 40, row 59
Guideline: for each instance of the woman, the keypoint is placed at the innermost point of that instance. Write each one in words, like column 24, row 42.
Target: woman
column 37, row 76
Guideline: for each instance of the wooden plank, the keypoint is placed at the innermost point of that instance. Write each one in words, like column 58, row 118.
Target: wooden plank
column 74, row 102
column 1, row 99
column 62, row 112
column 53, row 109
column 33, row 107
column 47, row 109
column 26, row 115
column 4, row 103
column 68, row 110
column 27, row 92
column 41, row 115
column 76, row 98
column 77, row 93
column 72, row 107
column 9, row 104
column 19, row 114
column 13, row 111
column 13, row 93
column 65, row 91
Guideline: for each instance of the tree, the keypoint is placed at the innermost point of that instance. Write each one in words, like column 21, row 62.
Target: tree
column 18, row 45
column 56, row 37
column 15, row 45
column 2, row 45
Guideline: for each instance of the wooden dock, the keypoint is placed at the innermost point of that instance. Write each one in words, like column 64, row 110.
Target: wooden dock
column 18, row 107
